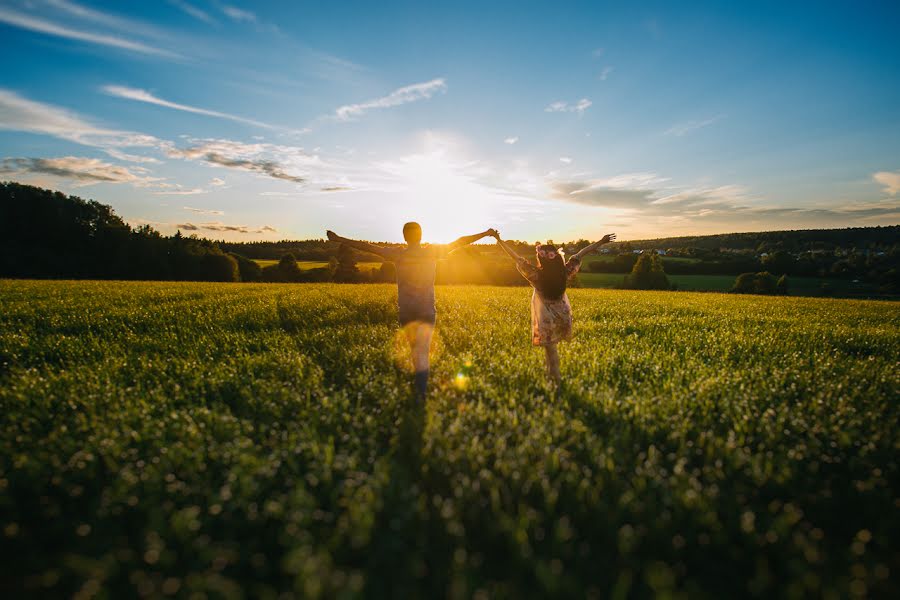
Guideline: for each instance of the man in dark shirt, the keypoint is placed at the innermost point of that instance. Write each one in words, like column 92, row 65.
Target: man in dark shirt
column 415, row 265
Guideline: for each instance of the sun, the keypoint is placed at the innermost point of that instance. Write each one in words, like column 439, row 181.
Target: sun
column 443, row 195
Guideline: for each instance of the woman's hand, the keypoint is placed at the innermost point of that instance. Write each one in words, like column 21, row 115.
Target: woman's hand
column 332, row 236
column 609, row 237
column 493, row 233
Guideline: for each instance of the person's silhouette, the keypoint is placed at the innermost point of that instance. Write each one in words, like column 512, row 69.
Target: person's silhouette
column 415, row 266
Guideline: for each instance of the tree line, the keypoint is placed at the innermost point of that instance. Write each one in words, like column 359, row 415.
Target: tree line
column 47, row 234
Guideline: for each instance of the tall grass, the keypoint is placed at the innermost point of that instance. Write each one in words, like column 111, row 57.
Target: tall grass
column 261, row 441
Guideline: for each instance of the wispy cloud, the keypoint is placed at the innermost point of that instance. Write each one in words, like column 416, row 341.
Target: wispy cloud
column 215, row 181
column 238, row 14
column 565, row 160
column 38, row 25
column 21, row 114
column 404, row 95
column 145, row 96
column 182, row 192
column 272, row 160
column 85, row 171
column 218, row 226
column 578, row 107
column 649, row 196
column 890, row 181
column 605, row 73
column 689, row 126
column 511, row 140
column 193, row 11
column 204, row 211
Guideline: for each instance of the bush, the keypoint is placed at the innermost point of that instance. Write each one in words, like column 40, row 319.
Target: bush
column 647, row 274
column 756, row 283
column 781, row 288
column 286, row 271
column 249, row 269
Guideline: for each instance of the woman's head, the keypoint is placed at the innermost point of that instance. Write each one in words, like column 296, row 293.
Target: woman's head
column 552, row 273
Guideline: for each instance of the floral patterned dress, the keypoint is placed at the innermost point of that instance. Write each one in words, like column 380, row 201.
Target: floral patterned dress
column 551, row 320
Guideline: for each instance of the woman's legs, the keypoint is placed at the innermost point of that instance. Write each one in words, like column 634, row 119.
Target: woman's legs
column 552, row 356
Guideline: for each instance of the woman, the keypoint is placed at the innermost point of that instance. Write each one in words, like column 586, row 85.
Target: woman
column 551, row 314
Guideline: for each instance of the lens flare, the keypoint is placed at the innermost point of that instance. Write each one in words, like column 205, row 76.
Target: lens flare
column 463, row 376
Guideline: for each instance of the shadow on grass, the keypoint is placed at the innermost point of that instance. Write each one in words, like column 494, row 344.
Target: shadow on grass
column 396, row 568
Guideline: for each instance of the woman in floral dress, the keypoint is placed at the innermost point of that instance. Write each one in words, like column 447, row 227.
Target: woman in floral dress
column 551, row 313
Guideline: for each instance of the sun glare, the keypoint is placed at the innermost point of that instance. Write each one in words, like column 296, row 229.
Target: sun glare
column 437, row 190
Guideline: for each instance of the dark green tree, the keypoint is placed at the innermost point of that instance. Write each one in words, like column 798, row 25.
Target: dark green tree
column 346, row 270
column 647, row 274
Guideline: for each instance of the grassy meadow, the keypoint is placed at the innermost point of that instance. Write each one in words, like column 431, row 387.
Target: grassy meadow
column 316, row 264
column 261, row 441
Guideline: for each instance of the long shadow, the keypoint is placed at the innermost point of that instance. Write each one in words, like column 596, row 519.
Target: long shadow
column 395, row 568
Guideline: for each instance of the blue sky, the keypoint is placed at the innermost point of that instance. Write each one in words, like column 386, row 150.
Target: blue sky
column 272, row 120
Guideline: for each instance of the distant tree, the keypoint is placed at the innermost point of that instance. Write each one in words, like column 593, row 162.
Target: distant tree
column 386, row 273
column 217, row 266
column 781, row 287
column 647, row 274
column 285, row 271
column 779, row 262
column 249, row 269
column 756, row 283
column 346, row 270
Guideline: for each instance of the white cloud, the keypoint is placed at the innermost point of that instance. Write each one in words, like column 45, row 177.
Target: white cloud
column 217, row 182
column 218, row 226
column 647, row 197
column 145, row 96
column 289, row 163
column 276, row 161
column 565, row 159
column 560, row 106
column 238, row 14
column 21, row 114
column 84, row 171
column 511, row 140
column 890, row 181
column 404, row 95
column 193, row 11
column 182, row 192
column 605, row 73
column 203, row 211
column 39, row 25
column 689, row 126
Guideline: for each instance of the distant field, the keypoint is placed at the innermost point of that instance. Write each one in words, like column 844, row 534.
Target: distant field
column 798, row 286
column 313, row 264
column 260, row 441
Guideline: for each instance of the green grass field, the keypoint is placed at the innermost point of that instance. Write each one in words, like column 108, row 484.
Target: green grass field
column 315, row 264
column 798, row 286
column 260, row 441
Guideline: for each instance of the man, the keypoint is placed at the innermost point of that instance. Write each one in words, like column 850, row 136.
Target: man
column 415, row 265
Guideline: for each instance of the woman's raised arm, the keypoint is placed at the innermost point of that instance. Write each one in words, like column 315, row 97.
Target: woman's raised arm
column 609, row 237
column 508, row 249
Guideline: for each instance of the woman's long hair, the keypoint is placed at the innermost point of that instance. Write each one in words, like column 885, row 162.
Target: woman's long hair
column 552, row 275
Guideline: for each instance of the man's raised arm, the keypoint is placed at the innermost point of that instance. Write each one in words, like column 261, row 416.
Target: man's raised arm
column 362, row 246
column 468, row 239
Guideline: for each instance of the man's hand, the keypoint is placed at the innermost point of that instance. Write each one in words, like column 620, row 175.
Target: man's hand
column 493, row 233
column 332, row 236
column 609, row 237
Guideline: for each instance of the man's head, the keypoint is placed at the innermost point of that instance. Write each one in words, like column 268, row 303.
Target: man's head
column 412, row 233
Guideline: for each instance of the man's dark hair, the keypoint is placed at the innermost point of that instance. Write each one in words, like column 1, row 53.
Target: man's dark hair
column 412, row 233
